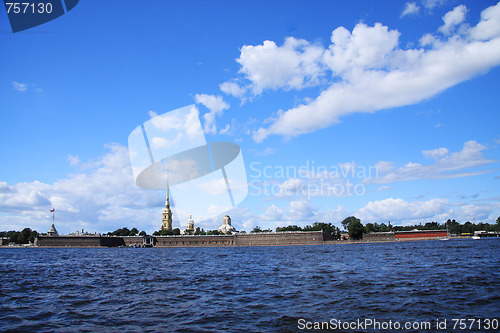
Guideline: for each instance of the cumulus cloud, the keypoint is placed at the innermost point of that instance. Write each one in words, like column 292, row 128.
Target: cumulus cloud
column 291, row 186
column 411, row 8
column 294, row 65
column 452, row 19
column 18, row 86
column 216, row 105
column 73, row 159
column 489, row 26
column 102, row 199
column 435, row 153
column 300, row 210
column 431, row 4
column 446, row 165
column 403, row 212
column 273, row 213
column 233, row 89
column 398, row 209
column 366, row 70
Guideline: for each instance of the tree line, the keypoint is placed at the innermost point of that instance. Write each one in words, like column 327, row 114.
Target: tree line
column 20, row 237
column 197, row 232
column 352, row 225
column 126, row 232
column 330, row 231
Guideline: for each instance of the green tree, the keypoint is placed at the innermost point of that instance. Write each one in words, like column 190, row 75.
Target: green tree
column 289, row 228
column 15, row 237
column 498, row 223
column 347, row 222
column 164, row 232
column 133, row 232
column 199, row 231
column 32, row 236
column 25, row 235
column 256, row 229
column 356, row 229
column 142, row 233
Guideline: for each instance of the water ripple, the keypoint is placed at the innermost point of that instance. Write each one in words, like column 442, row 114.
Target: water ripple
column 262, row 289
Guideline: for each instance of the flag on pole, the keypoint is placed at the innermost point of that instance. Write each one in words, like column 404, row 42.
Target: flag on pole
column 52, row 210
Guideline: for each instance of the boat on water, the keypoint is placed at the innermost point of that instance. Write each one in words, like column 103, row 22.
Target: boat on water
column 476, row 237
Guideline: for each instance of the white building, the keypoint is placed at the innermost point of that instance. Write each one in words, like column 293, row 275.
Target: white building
column 226, row 226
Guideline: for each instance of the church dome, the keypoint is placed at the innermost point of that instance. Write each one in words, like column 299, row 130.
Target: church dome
column 190, row 223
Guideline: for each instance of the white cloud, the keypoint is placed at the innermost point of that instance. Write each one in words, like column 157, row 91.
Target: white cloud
column 384, row 167
column 399, row 210
column 73, row 159
column 291, row 186
column 435, row 153
column 294, row 65
column 300, row 210
column 273, row 213
column 366, row 62
column 21, row 87
column 430, row 4
column 225, row 130
column 446, row 165
column 158, row 142
column 452, row 19
column 489, row 26
column 233, row 89
column 216, row 105
column 411, row 8
column 5, row 188
column 402, row 212
column 103, row 199
column 268, row 151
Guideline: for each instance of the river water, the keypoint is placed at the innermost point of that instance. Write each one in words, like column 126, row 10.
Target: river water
column 253, row 289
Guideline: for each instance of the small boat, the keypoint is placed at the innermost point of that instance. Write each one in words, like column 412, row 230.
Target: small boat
column 476, row 237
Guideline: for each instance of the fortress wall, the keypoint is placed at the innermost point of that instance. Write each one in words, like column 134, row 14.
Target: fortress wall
column 70, row 241
column 279, row 238
column 78, row 241
column 379, row 237
column 191, row 241
column 132, row 240
column 111, row 241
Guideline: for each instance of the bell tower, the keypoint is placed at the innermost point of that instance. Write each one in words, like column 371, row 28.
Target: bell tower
column 166, row 221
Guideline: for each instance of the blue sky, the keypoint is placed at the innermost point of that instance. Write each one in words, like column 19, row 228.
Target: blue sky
column 396, row 99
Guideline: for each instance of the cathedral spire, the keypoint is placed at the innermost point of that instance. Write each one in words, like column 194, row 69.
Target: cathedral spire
column 166, row 222
column 167, row 184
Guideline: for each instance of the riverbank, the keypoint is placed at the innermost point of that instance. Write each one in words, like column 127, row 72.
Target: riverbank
column 234, row 240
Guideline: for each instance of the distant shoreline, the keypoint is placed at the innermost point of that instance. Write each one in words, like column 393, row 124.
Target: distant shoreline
column 324, row 242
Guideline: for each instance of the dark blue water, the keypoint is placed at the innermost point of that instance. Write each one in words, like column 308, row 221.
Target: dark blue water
column 259, row 289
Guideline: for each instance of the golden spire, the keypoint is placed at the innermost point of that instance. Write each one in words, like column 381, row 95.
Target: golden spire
column 167, row 213
column 167, row 185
